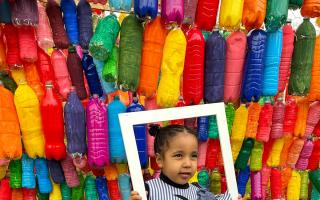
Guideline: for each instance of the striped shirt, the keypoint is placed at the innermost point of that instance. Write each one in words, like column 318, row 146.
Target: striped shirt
column 163, row 188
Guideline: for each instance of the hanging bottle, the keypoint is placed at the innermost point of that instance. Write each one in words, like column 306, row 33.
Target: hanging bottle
column 235, row 56
column 315, row 84
column 253, row 73
column 256, row 180
column 212, row 153
column 11, row 35
column 256, row 156
column 124, row 186
column 190, row 8
column 108, row 87
column 172, row 11
column 145, row 9
column 110, row 68
column 304, row 188
column 193, row 72
column 312, row 119
column 43, row 30
column 230, row 14
column 254, row 13
column 242, row 180
column 277, row 13
column 43, row 177
column 78, row 192
column 301, row 66
column 302, row 114
column 286, row 55
column 52, row 123
column 288, row 140
column 101, row 185
column 27, row 106
column 277, row 120
column 15, row 168
column 27, row 44
column 84, row 14
column 69, row 10
column 28, row 177
column 70, row 172
column 290, row 116
column 121, row 5
column 44, row 67
column 90, row 188
column 5, row 16
column 265, row 175
column 310, row 8
column 65, row 191
column 285, row 178
column 275, row 153
column 206, row 14
column 29, row 194
column 314, row 159
column 56, row 171
column 202, row 154
column 171, row 68
column 3, row 63
column 293, row 191
column 294, row 152
column 33, row 79
column 253, row 118
column 244, row 154
column 275, row 183
column 265, row 122
column 214, row 68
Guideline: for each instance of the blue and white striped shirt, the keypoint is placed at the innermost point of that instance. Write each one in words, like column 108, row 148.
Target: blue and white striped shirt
column 163, row 188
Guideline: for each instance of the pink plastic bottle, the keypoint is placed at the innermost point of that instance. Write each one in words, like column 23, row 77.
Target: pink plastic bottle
column 305, row 154
column 265, row 175
column 98, row 148
column 59, row 64
column 70, row 172
column 313, row 118
column 265, row 122
column 256, row 186
column 202, row 154
column 286, row 55
column 172, row 11
column 277, row 120
column 290, row 117
column 235, row 57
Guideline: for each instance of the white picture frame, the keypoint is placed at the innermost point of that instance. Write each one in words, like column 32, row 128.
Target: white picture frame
column 127, row 120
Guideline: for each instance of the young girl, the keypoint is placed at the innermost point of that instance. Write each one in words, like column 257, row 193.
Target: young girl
column 176, row 150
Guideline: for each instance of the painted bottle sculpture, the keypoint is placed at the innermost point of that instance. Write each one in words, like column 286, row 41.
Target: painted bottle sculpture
column 15, row 168
column 97, row 126
column 277, row 13
column 214, row 68
column 230, row 14
column 253, row 74
column 90, row 188
column 234, row 66
column 171, row 68
column 193, row 72
column 56, row 171
column 271, row 66
column 206, row 14
column 43, row 177
column 140, row 133
column 117, row 152
column 244, row 154
column 277, row 120
column 253, row 118
column 28, row 110
column 145, row 8
column 9, row 130
column 265, row 122
column 28, row 177
column 299, row 82
column 254, row 13
column 286, row 56
column 172, row 11
column 91, row 75
column 101, row 184
column 52, row 123
column 310, row 8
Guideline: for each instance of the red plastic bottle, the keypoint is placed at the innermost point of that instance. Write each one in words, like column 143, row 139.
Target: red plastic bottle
column 290, row 117
column 315, row 156
column 52, row 123
column 277, row 120
column 113, row 189
column 5, row 191
column 193, row 73
column 266, row 151
column 44, row 67
column 213, row 150
column 265, row 122
column 275, row 182
column 29, row 194
column 180, row 103
column 313, row 118
column 207, row 14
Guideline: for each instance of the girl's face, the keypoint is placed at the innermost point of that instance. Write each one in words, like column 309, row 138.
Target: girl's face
column 179, row 161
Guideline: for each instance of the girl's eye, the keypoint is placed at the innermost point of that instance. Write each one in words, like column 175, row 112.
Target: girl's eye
column 178, row 155
column 195, row 156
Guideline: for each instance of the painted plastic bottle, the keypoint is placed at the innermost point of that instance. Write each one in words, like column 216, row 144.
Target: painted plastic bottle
column 75, row 125
column 202, row 128
column 242, row 180
column 52, row 123
column 140, row 133
column 55, row 193
column 265, row 122
column 130, row 51
column 272, row 62
column 253, row 119
column 90, row 188
column 265, row 176
column 59, row 64
column 290, row 116
column 275, row 183
column 213, row 131
column 256, row 190
column 230, row 14
column 244, row 154
column 9, row 130
column 310, row 8
column 43, row 177
column 108, row 87
column 256, row 156
column 253, row 73
column 180, row 103
column 29, row 194
column 238, row 130
column 3, row 63
column 124, row 186
column 277, row 120
column 288, row 140
column 286, row 56
column 215, row 182
column 315, row 156
column 33, row 79
column 44, row 67
column 91, row 75
column 193, row 72
column 254, row 13
column 285, row 178
column 121, row 5
column 5, row 191
column 190, row 8
column 301, row 66
column 101, row 185
column 235, row 57
column 56, row 171
column 277, row 13
column 28, row 110
column 293, row 191
column 313, row 118
column 110, row 68
column 215, row 58
column 302, row 114
column 78, row 192
column 15, row 168
column 117, row 152
column 28, row 176
column 230, row 113
column 206, row 14
column 295, row 151
column 171, row 68
column 65, row 191
column 27, row 44
column 275, row 153
column 304, row 185
column 144, row 9
column 172, row 11
column 212, row 153
column 315, row 84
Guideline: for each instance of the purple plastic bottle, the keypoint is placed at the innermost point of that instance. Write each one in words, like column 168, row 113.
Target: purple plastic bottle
column 98, row 148
column 172, row 11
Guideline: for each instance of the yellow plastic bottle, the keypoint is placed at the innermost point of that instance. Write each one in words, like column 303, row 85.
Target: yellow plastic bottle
column 3, row 171
column 28, row 109
column 18, row 75
column 231, row 14
column 56, row 192
column 171, row 68
column 274, row 157
column 238, row 130
column 293, row 191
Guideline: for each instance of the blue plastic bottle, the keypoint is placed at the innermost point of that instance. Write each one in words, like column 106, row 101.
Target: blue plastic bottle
column 272, row 63
column 215, row 59
column 56, row 171
column 144, row 8
column 117, row 152
column 70, row 19
column 120, row 5
column 140, row 133
column 91, row 74
column 42, row 174
column 124, row 186
column 242, row 180
column 253, row 74
column 108, row 87
column 203, row 123
column 101, row 183
column 28, row 176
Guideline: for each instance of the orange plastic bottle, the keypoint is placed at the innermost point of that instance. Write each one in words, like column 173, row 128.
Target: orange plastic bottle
column 153, row 42
column 300, row 126
column 285, row 149
column 33, row 79
column 310, row 8
column 314, row 93
column 10, row 138
column 254, row 12
column 253, row 118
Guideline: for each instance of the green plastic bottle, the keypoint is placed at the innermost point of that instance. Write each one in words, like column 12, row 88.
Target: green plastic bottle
column 130, row 53
column 65, row 191
column 295, row 4
column 277, row 13
column 244, row 154
column 256, row 156
column 203, row 178
column 215, row 182
column 42, row 196
column 315, row 194
column 8, row 81
column 110, row 68
column 314, row 177
column 78, row 192
column 15, row 168
column 90, row 188
column 230, row 112
column 301, row 65
column 213, row 131
column 304, row 188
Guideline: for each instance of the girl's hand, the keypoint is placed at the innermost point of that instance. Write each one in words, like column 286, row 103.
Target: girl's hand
column 239, row 197
column 135, row 196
